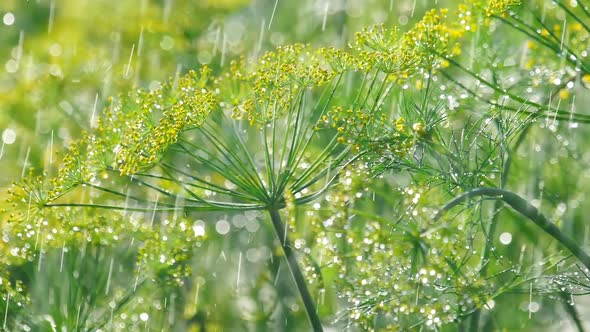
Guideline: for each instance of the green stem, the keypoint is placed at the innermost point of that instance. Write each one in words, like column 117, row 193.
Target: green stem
column 571, row 310
column 487, row 249
column 525, row 208
column 475, row 320
column 308, row 303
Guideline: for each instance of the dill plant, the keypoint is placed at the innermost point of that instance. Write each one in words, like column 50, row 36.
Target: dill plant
column 359, row 156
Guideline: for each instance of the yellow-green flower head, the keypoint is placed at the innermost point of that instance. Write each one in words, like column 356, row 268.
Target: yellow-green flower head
column 429, row 38
column 159, row 118
column 499, row 7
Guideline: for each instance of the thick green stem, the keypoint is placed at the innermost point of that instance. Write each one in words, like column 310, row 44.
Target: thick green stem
column 525, row 208
column 475, row 318
column 308, row 303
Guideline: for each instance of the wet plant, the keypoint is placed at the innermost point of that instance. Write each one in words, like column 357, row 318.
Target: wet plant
column 382, row 169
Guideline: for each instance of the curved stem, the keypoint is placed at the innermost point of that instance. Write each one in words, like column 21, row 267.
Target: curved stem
column 308, row 303
column 525, row 208
column 475, row 320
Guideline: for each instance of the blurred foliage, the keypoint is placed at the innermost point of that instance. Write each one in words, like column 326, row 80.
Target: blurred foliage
column 63, row 59
column 150, row 142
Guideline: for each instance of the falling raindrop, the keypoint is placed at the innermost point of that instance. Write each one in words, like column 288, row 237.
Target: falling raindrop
column 106, row 291
column 239, row 271
column 51, row 16
column 325, row 16
column 128, row 67
column 6, row 311
column 273, row 14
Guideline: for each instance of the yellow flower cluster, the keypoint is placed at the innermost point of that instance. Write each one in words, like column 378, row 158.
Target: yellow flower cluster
column 267, row 91
column 466, row 20
column 383, row 49
column 261, row 91
column 430, row 38
column 137, row 129
column 75, row 168
column 184, row 104
column 374, row 132
column 340, row 60
column 500, row 7
column 403, row 55
column 28, row 193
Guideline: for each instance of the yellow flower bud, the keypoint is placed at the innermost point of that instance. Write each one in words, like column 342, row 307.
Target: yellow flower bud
column 418, row 128
column 564, row 93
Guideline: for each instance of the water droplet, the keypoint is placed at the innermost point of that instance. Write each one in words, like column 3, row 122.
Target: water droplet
column 222, row 227
column 505, row 238
column 8, row 18
column 167, row 43
column 8, row 136
column 11, row 66
column 55, row 50
column 199, row 228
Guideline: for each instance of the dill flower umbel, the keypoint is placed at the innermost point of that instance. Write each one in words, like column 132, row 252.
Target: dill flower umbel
column 499, row 7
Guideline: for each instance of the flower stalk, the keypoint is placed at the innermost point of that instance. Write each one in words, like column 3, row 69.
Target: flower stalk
column 528, row 210
column 281, row 232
